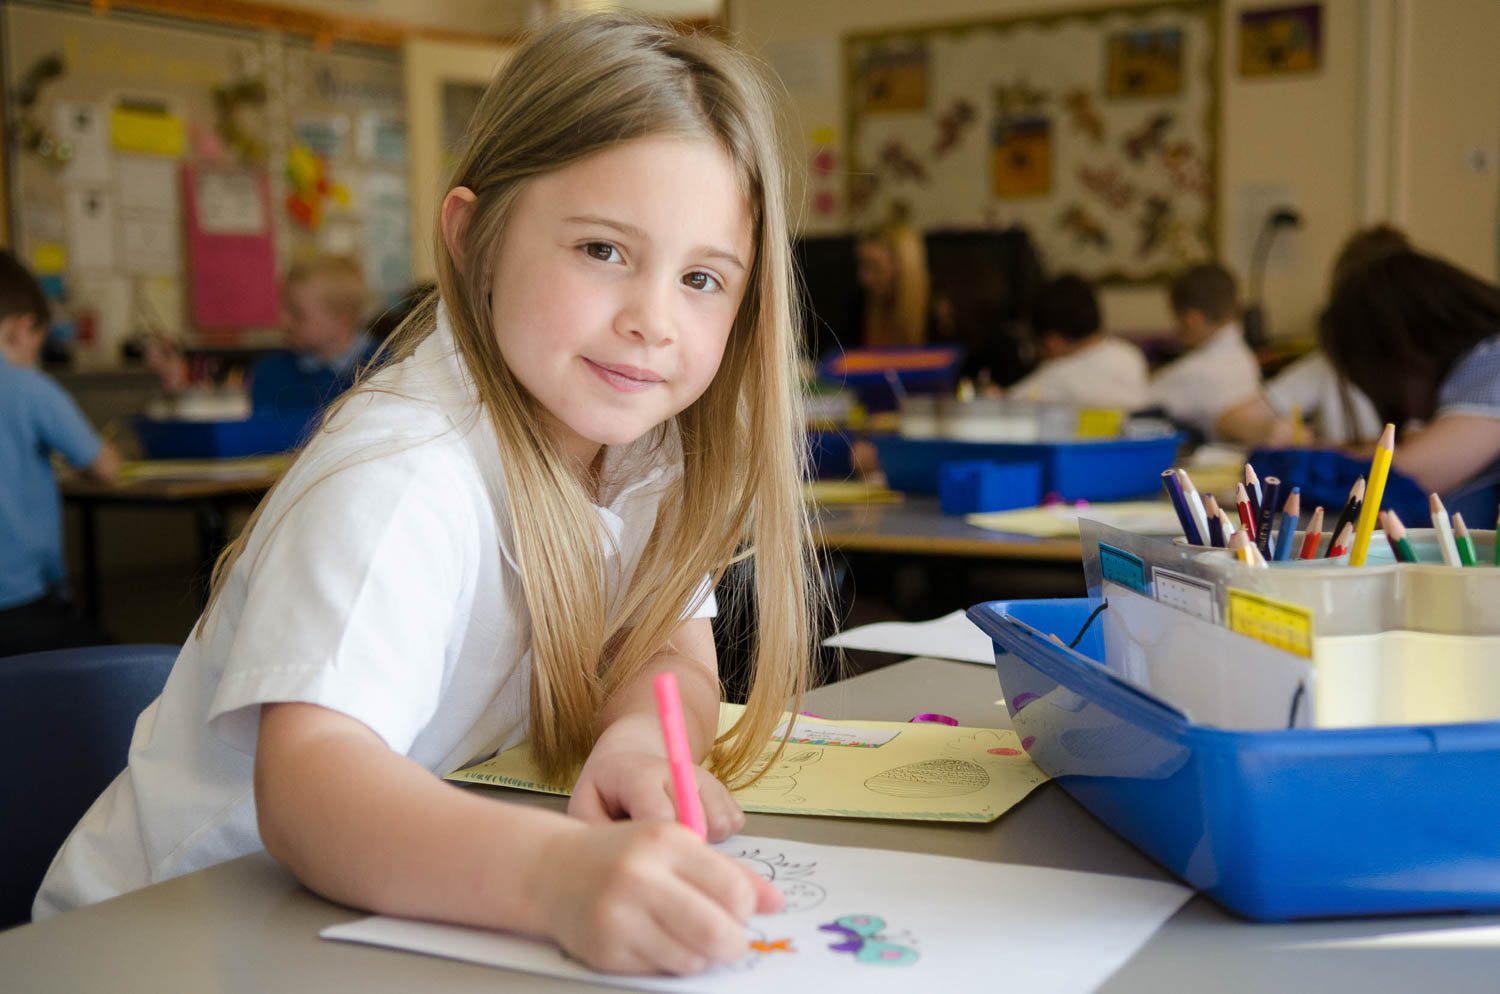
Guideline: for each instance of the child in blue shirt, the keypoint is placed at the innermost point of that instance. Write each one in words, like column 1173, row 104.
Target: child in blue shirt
column 37, row 418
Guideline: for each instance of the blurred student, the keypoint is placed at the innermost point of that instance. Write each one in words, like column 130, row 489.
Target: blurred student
column 37, row 418
column 895, row 289
column 326, row 346
column 1421, row 337
column 1081, row 365
column 1219, row 371
column 1337, row 412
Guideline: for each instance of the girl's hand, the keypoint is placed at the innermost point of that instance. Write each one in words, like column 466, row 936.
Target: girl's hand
column 618, row 783
column 646, row 898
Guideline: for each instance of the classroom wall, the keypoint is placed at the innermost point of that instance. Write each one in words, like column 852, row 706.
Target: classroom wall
column 1383, row 130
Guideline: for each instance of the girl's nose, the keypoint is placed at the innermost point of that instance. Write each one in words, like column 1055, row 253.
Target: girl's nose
column 646, row 314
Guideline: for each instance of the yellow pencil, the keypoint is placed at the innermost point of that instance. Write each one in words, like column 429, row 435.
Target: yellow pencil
column 1380, row 467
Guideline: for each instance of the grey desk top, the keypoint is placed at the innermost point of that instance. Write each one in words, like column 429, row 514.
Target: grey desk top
column 248, row 926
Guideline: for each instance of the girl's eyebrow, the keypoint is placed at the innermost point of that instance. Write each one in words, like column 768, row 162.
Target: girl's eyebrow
column 639, row 234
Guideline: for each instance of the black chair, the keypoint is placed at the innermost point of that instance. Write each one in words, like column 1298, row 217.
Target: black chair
column 66, row 718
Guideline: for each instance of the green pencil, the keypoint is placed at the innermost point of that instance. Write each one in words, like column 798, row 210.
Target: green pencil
column 1395, row 533
column 1466, row 552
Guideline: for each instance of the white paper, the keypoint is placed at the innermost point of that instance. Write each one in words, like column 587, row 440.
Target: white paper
column 91, row 228
column 907, row 922
column 148, row 183
column 150, row 244
column 953, row 636
column 229, row 204
column 85, row 126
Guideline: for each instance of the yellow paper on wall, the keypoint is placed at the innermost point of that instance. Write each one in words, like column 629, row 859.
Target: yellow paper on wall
column 920, row 771
column 145, row 130
column 48, row 258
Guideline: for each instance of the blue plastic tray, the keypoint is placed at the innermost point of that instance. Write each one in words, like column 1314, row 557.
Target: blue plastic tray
column 1109, row 469
column 260, row 435
column 1325, row 477
column 1273, row 825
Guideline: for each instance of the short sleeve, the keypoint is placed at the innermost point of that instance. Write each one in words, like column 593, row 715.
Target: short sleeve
column 349, row 603
column 703, row 604
column 1473, row 385
column 61, row 426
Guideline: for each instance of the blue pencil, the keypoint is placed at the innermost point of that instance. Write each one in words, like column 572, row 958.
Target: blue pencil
column 1289, row 518
column 1270, row 496
column 1179, row 502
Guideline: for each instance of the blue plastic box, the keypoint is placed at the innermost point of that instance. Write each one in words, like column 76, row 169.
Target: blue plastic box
column 220, row 439
column 828, row 455
column 1110, row 469
column 918, row 368
column 1273, row 825
column 969, row 487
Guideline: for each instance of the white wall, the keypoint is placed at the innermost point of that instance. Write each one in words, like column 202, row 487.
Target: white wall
column 1432, row 66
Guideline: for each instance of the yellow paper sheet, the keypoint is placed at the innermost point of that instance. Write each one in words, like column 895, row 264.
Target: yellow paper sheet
column 854, row 769
column 848, row 492
column 1144, row 517
column 202, row 469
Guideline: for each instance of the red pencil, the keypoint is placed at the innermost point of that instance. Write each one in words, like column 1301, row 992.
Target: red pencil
column 1247, row 516
column 1342, row 542
column 1314, row 533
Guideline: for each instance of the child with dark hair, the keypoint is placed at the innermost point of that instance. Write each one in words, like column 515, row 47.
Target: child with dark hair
column 1219, row 371
column 37, row 418
column 1421, row 337
column 1081, row 365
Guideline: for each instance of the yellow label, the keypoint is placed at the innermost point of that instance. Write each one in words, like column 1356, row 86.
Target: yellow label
column 1286, row 626
column 148, row 131
column 49, row 257
column 1099, row 422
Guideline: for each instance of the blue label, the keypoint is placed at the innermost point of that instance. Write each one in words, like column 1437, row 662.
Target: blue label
column 1123, row 568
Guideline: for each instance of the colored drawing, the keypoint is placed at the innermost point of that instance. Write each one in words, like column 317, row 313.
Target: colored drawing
column 1145, row 63
column 812, row 733
column 931, row 778
column 1085, row 116
column 1155, row 224
column 1083, row 227
column 893, row 78
column 1147, row 137
column 862, row 937
column 1186, row 170
column 951, row 126
column 792, row 879
column 1019, row 99
column 1276, row 40
column 1021, row 157
column 772, row 946
column 1005, row 751
column 898, row 160
column 1108, row 185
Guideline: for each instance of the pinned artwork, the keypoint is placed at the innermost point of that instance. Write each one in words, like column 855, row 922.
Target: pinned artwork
column 952, row 125
column 1021, row 156
column 1145, row 63
column 1279, row 40
column 893, row 78
column 1084, row 115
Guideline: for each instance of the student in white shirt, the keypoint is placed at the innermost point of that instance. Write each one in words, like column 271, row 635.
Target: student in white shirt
column 504, row 533
column 1219, row 371
column 1081, row 365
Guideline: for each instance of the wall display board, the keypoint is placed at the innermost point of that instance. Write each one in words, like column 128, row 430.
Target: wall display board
column 1095, row 130
column 110, row 116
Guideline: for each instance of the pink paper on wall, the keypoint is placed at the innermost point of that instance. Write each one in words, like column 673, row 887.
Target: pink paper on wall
column 231, row 252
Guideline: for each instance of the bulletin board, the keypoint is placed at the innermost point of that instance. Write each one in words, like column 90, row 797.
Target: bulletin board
column 1094, row 130
column 142, row 104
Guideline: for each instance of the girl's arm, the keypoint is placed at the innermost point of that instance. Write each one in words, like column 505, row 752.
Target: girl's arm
column 626, row 775
column 371, row 828
column 1449, row 452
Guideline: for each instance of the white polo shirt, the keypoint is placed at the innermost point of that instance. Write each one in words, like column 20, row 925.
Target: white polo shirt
column 379, row 583
column 1340, row 412
column 1109, row 373
column 1217, row 375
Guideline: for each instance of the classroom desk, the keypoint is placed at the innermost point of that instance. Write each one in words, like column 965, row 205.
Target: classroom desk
column 917, row 526
column 209, row 497
column 248, row 926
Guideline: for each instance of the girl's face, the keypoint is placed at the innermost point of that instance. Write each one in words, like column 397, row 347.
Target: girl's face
column 616, row 284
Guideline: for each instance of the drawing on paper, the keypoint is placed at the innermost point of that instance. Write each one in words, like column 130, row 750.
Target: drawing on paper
column 862, row 936
column 789, row 878
column 931, row 778
column 807, row 733
column 767, row 946
column 781, row 778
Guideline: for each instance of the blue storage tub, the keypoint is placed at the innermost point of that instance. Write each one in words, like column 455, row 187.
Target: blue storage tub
column 1273, row 825
column 918, row 368
column 260, row 435
column 972, row 487
column 1107, row 469
column 828, row 455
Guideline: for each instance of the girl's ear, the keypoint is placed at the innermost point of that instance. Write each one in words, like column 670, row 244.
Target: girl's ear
column 457, row 206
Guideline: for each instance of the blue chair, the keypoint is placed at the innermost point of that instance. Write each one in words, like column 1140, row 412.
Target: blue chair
column 66, row 718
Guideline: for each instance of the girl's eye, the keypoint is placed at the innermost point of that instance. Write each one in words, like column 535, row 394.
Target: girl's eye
column 700, row 280
column 603, row 251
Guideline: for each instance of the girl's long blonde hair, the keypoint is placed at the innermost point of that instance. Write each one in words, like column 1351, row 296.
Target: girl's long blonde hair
column 577, row 88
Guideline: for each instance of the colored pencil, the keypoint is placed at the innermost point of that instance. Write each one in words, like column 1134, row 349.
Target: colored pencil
column 1351, row 508
column 1314, row 534
column 1270, row 497
column 1395, row 533
column 1179, row 504
column 1247, row 511
column 1289, row 516
column 1444, row 529
column 1340, row 545
column 1226, row 526
column 1252, row 487
column 679, row 755
column 1466, row 551
column 1194, row 503
column 1238, row 543
column 1380, row 468
column 1215, row 529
